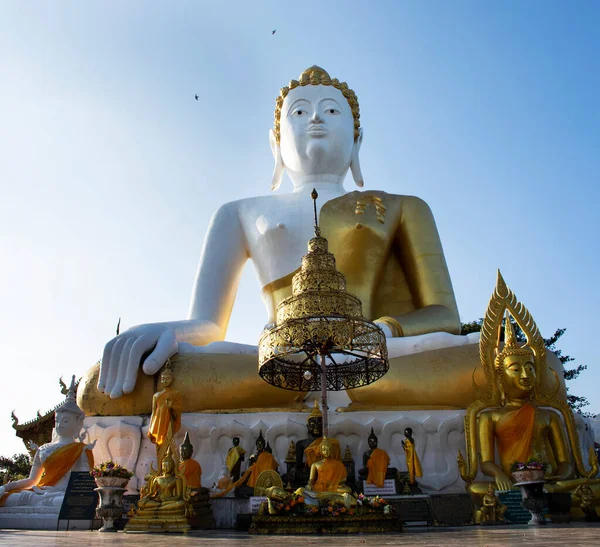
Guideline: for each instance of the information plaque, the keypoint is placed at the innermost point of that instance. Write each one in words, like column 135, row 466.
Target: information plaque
column 80, row 499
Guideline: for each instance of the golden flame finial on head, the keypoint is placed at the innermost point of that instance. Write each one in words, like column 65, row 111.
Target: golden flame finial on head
column 316, row 412
column 511, row 346
column 315, row 75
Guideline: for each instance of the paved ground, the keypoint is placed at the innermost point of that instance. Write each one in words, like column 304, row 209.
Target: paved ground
column 568, row 535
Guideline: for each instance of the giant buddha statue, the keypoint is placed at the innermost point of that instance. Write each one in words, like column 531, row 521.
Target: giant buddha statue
column 515, row 417
column 386, row 245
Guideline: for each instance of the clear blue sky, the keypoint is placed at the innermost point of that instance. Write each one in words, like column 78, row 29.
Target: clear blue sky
column 110, row 170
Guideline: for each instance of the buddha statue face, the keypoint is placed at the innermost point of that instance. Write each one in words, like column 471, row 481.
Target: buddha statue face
column 260, row 444
column 185, row 451
column 236, row 441
column 68, row 424
column 518, row 376
column 325, row 450
column 168, row 464
column 317, row 131
column 315, row 427
column 166, row 378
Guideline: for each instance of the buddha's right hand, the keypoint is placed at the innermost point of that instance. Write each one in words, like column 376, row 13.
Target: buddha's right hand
column 123, row 354
column 503, row 482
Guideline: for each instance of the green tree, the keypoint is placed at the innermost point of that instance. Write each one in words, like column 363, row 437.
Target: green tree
column 15, row 468
column 576, row 402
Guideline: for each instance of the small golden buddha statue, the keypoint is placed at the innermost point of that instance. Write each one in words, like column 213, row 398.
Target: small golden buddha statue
column 328, row 474
column 492, row 511
column 166, row 409
column 585, row 494
column 513, row 415
column 413, row 463
column 308, row 451
column 165, row 506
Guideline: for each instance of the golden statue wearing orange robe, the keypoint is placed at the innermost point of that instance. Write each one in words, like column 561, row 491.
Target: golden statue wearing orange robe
column 166, row 409
column 313, row 452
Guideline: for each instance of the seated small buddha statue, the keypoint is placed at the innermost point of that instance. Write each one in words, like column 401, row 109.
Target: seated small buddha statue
column 260, row 461
column 52, row 464
column 327, row 479
column 375, row 464
column 386, row 245
column 514, row 417
column 165, row 506
column 308, row 451
column 189, row 468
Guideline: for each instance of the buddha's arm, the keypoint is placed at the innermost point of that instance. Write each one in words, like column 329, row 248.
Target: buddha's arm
column 418, row 245
column 487, row 447
column 558, row 443
column 221, row 262
column 314, row 472
column 35, row 475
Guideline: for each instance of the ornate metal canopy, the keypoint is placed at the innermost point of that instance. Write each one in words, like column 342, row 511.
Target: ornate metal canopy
column 321, row 321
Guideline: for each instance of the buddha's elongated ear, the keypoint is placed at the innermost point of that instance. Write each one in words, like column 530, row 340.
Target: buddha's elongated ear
column 355, row 163
column 278, row 168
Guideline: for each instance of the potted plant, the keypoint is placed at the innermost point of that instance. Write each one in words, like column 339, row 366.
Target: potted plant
column 530, row 471
column 112, row 480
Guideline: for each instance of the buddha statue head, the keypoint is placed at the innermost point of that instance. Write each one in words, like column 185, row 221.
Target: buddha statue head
column 372, row 440
column 236, row 441
column 68, row 418
column 317, row 131
column 260, row 442
column 314, row 424
column 186, row 449
column 168, row 463
column 166, row 377
column 325, row 448
column 515, row 368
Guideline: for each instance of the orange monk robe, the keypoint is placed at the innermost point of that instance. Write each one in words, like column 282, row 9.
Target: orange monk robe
column 192, row 472
column 377, row 465
column 58, row 464
column 412, row 461
column 313, row 451
column 162, row 415
column 514, row 432
column 330, row 474
column 264, row 462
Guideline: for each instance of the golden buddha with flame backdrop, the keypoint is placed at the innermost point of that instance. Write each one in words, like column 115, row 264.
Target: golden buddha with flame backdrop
column 515, row 414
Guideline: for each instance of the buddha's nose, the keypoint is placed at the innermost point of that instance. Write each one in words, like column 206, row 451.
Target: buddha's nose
column 316, row 118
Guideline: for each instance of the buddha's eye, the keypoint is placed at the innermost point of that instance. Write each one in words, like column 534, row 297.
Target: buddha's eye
column 331, row 111
column 298, row 112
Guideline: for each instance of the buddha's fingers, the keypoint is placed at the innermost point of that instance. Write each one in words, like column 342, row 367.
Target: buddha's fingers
column 165, row 348
column 140, row 346
column 105, row 364
column 113, row 365
column 117, row 389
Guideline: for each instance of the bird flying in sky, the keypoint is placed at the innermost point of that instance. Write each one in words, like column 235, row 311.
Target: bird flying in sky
column 273, row 32
column 196, row 95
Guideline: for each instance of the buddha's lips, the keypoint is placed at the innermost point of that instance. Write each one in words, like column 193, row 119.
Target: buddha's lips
column 316, row 130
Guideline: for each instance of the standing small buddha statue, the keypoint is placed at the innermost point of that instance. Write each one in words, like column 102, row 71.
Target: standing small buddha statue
column 412, row 458
column 166, row 409
column 261, row 461
column 234, row 459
